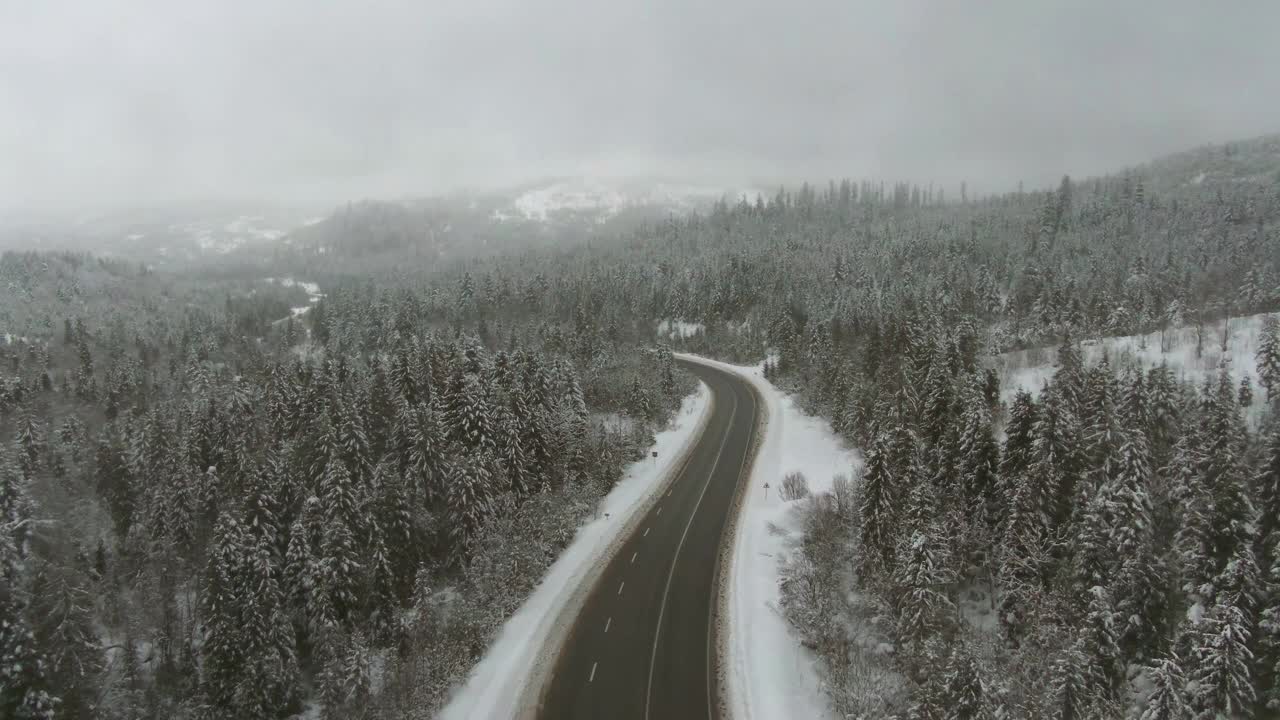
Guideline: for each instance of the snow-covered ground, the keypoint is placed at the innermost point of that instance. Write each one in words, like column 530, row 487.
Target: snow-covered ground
column 1030, row 369
column 606, row 198
column 679, row 329
column 218, row 236
column 312, row 290
column 768, row 673
column 514, row 666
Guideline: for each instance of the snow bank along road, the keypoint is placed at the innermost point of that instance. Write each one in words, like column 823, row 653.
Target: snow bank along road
column 643, row 644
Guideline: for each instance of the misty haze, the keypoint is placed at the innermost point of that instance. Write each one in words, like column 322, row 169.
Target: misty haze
column 697, row 361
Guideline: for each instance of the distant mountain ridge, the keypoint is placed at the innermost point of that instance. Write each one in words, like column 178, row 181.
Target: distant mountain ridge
column 550, row 211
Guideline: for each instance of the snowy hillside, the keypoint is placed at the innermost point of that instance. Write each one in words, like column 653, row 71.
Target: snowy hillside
column 607, row 198
column 1255, row 161
column 157, row 236
column 219, row 236
column 1030, row 369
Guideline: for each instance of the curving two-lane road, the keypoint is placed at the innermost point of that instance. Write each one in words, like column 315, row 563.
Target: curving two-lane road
column 642, row 646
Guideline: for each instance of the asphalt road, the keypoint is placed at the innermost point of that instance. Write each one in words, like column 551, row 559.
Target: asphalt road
column 642, row 644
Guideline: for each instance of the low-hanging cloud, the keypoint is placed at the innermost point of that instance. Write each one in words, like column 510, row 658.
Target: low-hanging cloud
column 145, row 102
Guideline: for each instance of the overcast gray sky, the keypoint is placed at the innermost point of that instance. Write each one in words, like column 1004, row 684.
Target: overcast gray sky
column 106, row 102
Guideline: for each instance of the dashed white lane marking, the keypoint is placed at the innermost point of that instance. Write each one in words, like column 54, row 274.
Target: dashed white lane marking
column 593, row 672
column 607, row 623
column 646, row 533
column 653, row 657
column 624, row 584
column 633, row 556
column 659, row 511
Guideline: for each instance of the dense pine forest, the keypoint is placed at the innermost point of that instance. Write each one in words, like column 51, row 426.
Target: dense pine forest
column 216, row 507
column 211, row 515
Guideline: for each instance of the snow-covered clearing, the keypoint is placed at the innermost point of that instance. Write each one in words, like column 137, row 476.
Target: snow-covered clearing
column 505, row 682
column 768, row 673
column 312, row 289
column 1030, row 369
column 679, row 329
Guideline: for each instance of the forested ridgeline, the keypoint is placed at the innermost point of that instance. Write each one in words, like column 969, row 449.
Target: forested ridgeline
column 204, row 522
column 1159, row 246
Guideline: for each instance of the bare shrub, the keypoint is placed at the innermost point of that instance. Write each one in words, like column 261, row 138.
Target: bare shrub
column 842, row 492
column 794, row 487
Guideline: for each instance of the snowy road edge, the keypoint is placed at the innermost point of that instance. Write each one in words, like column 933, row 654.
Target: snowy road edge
column 728, row 541
column 536, row 684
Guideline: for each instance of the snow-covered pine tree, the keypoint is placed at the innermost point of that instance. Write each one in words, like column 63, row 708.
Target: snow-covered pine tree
column 1128, row 496
column 1268, row 355
column 351, row 437
column 1022, row 553
column 1019, row 432
column 1143, row 601
column 881, row 497
column 378, row 399
column 964, row 688
column 937, row 400
column 1163, row 408
column 1240, row 582
column 338, row 554
column 1193, row 516
column 469, row 495
column 1232, row 516
column 1269, row 628
column 378, row 590
column 170, row 518
column 224, row 642
column 1221, row 682
column 922, row 578
column 1069, row 696
column 345, row 676
column 979, row 462
column 403, row 376
column 62, row 616
column 667, row 372
column 307, row 572
column 399, row 522
column 1100, row 426
column 29, row 442
column 423, row 429
column 24, row 685
column 1056, row 453
column 1101, row 635
column 1245, row 395
column 638, row 403
column 1092, row 560
column 1267, row 490
column 263, row 506
column 1135, row 412
column 1167, row 700
column 468, row 416
column 268, row 671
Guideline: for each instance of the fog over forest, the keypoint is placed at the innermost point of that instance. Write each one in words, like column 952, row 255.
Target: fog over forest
column 125, row 102
column 567, row 360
